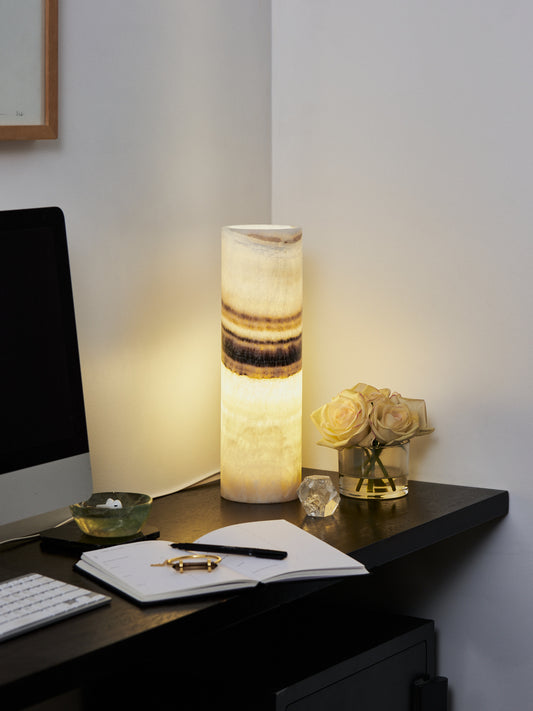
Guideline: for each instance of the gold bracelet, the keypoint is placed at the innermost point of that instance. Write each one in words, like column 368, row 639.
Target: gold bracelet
column 209, row 561
column 205, row 561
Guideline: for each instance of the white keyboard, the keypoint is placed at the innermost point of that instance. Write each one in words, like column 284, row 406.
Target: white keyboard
column 33, row 600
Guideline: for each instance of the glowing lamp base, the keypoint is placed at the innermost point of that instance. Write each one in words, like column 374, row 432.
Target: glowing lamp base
column 261, row 440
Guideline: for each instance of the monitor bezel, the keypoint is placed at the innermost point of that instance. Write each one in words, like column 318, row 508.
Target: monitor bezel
column 36, row 486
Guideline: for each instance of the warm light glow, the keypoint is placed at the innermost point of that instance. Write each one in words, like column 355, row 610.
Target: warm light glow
column 261, row 380
column 261, row 437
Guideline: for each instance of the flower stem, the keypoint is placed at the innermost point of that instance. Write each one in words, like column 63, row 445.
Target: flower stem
column 373, row 455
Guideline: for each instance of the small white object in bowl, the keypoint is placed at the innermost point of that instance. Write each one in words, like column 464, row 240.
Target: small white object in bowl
column 110, row 504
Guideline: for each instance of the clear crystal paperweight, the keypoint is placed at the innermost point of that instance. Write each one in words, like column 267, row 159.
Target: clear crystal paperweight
column 318, row 495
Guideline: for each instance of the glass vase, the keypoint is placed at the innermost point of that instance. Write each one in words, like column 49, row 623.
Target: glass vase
column 374, row 472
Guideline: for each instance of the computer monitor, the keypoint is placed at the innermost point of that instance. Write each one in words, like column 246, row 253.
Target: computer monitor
column 44, row 449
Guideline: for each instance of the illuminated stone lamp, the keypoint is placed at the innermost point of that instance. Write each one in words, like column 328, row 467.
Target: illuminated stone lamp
column 261, row 379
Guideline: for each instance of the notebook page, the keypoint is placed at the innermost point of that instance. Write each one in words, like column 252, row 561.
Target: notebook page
column 131, row 566
column 307, row 557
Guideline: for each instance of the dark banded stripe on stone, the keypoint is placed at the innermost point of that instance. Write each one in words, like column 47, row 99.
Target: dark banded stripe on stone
column 261, row 323
column 259, row 358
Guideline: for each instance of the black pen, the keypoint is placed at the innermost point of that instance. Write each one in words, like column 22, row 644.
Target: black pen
column 238, row 550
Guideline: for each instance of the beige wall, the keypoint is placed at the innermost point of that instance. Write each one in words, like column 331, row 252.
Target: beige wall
column 164, row 137
column 402, row 145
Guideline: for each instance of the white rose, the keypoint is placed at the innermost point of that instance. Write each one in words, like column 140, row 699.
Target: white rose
column 344, row 421
column 369, row 392
column 392, row 420
column 418, row 406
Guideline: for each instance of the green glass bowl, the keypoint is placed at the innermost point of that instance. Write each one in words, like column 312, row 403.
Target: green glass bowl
column 95, row 520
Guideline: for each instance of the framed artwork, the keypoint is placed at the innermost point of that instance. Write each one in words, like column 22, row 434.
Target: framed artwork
column 28, row 69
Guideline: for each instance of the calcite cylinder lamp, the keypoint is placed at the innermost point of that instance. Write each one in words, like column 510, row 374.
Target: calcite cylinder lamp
column 261, row 381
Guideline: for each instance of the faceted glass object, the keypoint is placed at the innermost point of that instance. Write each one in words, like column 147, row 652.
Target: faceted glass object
column 318, row 495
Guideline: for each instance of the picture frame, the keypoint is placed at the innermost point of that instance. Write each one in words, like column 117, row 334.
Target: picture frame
column 28, row 69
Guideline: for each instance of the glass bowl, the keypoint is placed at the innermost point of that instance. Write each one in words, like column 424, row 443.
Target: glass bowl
column 96, row 516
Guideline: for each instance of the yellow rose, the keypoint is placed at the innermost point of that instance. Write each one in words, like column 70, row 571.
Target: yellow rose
column 392, row 420
column 344, row 421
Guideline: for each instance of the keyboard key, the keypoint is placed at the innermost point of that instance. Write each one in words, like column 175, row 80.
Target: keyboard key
column 33, row 600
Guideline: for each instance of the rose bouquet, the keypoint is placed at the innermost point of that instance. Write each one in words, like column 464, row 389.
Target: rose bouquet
column 370, row 419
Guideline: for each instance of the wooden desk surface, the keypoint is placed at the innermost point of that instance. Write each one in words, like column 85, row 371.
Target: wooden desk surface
column 75, row 652
column 374, row 532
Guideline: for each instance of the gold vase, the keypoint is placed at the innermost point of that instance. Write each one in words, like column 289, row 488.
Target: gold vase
column 379, row 472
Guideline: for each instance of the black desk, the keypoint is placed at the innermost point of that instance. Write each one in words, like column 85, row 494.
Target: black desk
column 123, row 640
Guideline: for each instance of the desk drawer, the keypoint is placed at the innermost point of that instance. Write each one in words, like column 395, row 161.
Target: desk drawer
column 385, row 685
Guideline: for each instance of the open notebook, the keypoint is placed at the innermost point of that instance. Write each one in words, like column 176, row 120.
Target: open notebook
column 129, row 568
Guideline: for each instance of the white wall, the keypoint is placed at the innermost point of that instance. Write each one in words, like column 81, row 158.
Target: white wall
column 402, row 146
column 164, row 137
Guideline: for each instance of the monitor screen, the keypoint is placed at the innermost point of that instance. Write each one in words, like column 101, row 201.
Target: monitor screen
column 44, row 450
